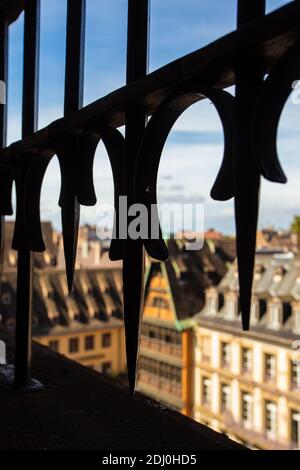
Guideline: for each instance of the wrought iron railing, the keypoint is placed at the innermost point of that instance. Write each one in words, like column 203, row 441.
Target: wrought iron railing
column 261, row 44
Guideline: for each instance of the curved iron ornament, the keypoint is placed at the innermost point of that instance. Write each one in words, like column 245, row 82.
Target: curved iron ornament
column 114, row 144
column 32, row 200
column 273, row 95
column 67, row 153
column 76, row 156
column 6, row 185
column 152, row 145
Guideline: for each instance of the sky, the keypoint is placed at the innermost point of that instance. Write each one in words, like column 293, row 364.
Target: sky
column 193, row 152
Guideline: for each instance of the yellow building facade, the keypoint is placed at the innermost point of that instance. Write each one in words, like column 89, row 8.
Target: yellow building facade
column 247, row 383
column 100, row 348
column 247, row 388
column 165, row 348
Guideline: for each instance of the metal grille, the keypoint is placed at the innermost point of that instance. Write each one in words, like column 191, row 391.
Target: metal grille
column 261, row 44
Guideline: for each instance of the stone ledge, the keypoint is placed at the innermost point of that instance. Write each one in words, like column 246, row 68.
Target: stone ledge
column 81, row 409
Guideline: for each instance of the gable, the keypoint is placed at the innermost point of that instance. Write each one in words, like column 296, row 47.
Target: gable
column 157, row 296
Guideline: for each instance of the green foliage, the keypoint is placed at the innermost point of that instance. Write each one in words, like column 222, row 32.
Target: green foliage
column 295, row 225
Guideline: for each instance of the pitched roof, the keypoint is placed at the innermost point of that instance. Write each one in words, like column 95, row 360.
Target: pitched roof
column 276, row 279
column 189, row 273
column 96, row 300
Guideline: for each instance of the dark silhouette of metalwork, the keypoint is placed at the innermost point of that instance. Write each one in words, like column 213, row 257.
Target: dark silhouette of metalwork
column 261, row 44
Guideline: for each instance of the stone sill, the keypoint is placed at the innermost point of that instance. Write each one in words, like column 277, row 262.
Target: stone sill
column 81, row 409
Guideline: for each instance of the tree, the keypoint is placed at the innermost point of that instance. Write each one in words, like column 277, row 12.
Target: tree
column 295, row 227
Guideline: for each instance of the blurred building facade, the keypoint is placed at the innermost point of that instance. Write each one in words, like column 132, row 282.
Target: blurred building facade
column 174, row 293
column 247, row 383
column 86, row 325
column 194, row 356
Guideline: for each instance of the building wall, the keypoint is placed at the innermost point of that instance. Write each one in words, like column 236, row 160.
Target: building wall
column 254, row 383
column 165, row 352
column 96, row 357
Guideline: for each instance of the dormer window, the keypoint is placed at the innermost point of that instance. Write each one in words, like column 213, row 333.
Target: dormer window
column 295, row 428
column 259, row 270
column 12, row 258
column 47, row 258
column 275, row 313
column 258, row 309
column 6, row 298
column 279, row 273
column 85, row 249
column 212, row 304
column 11, row 323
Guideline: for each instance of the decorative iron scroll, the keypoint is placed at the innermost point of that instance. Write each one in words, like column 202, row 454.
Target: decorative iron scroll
column 135, row 162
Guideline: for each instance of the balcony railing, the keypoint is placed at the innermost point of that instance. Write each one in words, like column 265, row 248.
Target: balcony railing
column 261, row 44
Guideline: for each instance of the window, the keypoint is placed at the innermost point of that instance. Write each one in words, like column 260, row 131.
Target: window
column 246, row 360
column 295, row 428
column 159, row 302
column 54, row 345
column 73, row 345
column 275, row 310
column 106, row 340
column 89, row 343
column 270, row 368
column 247, row 406
column 168, row 338
column 225, row 354
column 6, row 298
column 206, row 392
column 205, row 349
column 295, row 375
column 271, row 419
column 152, row 334
column 225, row 398
column 106, row 368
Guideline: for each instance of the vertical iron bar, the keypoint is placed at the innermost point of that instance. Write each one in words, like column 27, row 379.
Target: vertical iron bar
column 3, row 119
column 74, row 81
column 3, row 76
column 133, row 262
column 249, row 76
column 74, row 56
column 25, row 258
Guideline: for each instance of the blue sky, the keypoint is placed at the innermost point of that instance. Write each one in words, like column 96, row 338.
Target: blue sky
column 193, row 151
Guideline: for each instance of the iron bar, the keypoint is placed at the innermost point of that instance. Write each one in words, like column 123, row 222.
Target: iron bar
column 133, row 258
column 214, row 65
column 3, row 118
column 74, row 71
column 239, row 58
column 25, row 258
column 249, row 76
column 74, row 81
